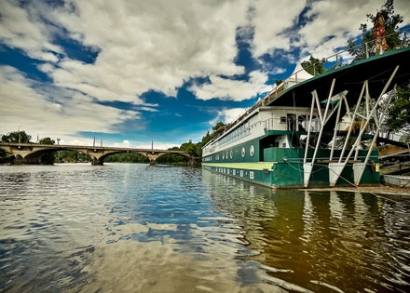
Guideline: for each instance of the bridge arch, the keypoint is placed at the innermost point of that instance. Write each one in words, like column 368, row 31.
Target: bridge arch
column 152, row 156
column 108, row 154
column 168, row 157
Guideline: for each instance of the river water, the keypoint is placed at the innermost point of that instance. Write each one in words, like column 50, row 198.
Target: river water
column 138, row 228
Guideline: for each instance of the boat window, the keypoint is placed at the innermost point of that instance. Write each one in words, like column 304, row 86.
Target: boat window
column 252, row 150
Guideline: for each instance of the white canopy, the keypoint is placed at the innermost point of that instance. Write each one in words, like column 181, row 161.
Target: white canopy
column 299, row 74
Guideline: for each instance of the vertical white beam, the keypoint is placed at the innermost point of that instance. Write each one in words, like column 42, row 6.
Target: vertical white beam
column 309, row 127
column 307, row 166
column 322, row 120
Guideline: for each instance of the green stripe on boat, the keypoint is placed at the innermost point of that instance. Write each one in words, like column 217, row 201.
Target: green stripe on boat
column 251, row 166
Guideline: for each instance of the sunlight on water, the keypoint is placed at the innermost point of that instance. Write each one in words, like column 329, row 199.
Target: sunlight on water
column 136, row 228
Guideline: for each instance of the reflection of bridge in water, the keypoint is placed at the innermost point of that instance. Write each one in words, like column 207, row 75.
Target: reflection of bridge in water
column 31, row 153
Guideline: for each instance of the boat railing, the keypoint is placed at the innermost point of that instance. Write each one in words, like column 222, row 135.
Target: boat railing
column 300, row 125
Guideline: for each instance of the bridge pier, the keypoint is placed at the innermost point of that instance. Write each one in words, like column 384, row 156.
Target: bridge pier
column 18, row 160
column 194, row 162
column 27, row 160
column 97, row 162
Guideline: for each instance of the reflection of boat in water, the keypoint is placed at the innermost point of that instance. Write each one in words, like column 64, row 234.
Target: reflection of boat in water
column 295, row 137
column 316, row 239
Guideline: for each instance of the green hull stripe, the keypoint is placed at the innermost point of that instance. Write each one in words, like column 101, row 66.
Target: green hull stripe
column 252, row 166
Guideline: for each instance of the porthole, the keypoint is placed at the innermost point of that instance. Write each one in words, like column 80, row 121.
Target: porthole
column 251, row 150
column 231, row 154
column 243, row 152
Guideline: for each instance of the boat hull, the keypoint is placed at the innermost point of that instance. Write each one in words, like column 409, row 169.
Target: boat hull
column 285, row 169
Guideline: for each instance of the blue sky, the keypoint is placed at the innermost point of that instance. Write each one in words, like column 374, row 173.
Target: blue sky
column 129, row 72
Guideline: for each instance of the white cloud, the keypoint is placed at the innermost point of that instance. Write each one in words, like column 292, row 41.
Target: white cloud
column 125, row 144
column 149, row 44
column 272, row 21
column 21, row 29
column 227, row 115
column 26, row 105
column 234, row 90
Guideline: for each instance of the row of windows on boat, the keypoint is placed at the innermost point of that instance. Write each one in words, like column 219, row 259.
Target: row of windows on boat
column 235, row 172
column 226, row 155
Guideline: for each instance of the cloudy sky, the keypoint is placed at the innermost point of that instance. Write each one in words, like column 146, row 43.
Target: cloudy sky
column 132, row 71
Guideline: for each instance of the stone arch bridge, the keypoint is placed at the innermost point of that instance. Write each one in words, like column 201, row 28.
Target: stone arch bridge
column 31, row 153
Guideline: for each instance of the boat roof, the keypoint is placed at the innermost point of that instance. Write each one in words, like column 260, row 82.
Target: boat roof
column 376, row 70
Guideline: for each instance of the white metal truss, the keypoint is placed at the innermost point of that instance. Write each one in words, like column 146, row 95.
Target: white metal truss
column 336, row 167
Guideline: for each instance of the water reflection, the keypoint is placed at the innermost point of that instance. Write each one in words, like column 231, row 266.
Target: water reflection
column 323, row 241
column 136, row 228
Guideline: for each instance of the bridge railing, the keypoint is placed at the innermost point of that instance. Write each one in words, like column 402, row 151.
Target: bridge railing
column 101, row 148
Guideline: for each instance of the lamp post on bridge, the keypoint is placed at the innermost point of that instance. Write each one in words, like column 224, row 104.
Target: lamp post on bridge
column 58, row 152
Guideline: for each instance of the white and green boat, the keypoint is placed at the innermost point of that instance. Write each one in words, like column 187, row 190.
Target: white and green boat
column 304, row 133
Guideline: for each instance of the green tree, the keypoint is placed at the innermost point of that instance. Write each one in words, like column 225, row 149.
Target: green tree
column 16, row 137
column 174, row 159
column 3, row 154
column 49, row 157
column 314, row 66
column 398, row 118
column 367, row 44
column 126, row 158
column 218, row 129
column 206, row 138
column 47, row 140
column 189, row 147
